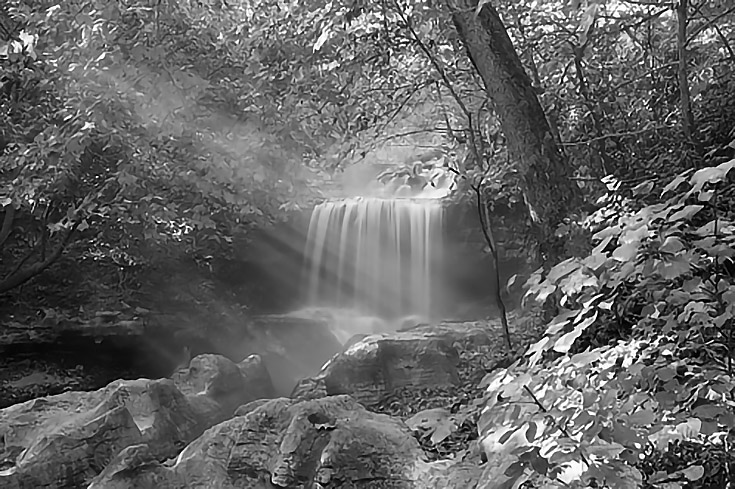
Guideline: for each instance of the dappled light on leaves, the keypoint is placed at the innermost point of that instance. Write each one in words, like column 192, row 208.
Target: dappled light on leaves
column 666, row 374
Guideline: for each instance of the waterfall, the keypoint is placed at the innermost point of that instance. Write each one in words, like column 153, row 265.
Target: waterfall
column 379, row 256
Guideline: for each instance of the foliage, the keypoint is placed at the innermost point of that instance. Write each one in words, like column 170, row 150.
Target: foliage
column 210, row 106
column 605, row 72
column 114, row 131
column 607, row 76
column 579, row 412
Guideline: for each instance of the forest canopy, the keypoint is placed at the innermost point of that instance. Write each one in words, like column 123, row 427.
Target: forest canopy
column 223, row 110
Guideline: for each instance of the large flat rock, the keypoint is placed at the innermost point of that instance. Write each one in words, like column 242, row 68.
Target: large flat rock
column 377, row 365
column 371, row 367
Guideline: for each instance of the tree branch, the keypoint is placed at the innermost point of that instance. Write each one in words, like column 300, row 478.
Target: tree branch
column 708, row 24
column 399, row 135
column 19, row 277
column 641, row 76
column 558, row 425
column 725, row 42
column 445, row 79
column 614, row 135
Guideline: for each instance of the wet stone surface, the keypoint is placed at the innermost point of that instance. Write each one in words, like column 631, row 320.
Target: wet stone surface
column 479, row 354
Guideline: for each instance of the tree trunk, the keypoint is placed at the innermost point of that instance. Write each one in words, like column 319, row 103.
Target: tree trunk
column 548, row 191
column 687, row 118
column 7, row 226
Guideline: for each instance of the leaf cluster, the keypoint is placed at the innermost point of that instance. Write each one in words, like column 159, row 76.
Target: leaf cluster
column 120, row 123
column 576, row 411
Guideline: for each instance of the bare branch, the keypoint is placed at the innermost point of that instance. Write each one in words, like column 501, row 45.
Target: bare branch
column 725, row 42
column 687, row 117
column 641, row 76
column 19, row 277
column 708, row 24
column 614, row 135
column 558, row 425
column 445, row 79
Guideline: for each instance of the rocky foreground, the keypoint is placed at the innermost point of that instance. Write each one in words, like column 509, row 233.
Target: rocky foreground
column 391, row 410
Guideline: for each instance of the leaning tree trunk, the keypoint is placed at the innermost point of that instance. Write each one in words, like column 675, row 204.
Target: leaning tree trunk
column 548, row 192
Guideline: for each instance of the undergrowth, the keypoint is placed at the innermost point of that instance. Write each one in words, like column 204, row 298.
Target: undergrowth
column 632, row 384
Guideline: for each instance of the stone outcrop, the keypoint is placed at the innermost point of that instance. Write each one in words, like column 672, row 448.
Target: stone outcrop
column 329, row 442
column 64, row 440
column 257, row 377
column 376, row 365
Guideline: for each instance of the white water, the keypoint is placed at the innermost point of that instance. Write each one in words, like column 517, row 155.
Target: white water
column 378, row 256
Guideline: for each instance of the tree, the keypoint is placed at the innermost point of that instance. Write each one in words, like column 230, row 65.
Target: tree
column 117, row 132
column 218, row 108
column 421, row 51
column 549, row 193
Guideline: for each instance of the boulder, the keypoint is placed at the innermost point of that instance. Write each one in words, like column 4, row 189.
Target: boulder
column 329, row 442
column 291, row 347
column 257, row 377
column 64, row 440
column 473, row 333
column 380, row 364
column 216, row 387
column 251, row 406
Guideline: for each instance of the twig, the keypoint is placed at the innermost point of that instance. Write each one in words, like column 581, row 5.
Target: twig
column 614, row 135
column 643, row 75
column 649, row 4
column 405, row 101
column 687, row 117
column 19, row 277
column 639, row 22
column 725, row 445
column 23, row 261
column 707, row 25
column 725, row 42
column 7, row 33
column 488, row 234
column 414, row 132
column 558, row 425
column 444, row 78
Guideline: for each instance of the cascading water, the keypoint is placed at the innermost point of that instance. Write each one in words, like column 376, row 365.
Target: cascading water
column 378, row 256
